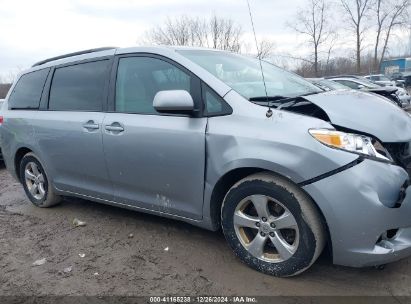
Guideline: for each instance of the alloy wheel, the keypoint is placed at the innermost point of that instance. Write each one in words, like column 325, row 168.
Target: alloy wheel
column 35, row 181
column 266, row 228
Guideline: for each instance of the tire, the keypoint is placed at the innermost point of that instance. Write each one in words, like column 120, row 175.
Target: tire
column 284, row 242
column 43, row 194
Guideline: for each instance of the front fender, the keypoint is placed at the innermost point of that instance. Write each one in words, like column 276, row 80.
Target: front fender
column 281, row 145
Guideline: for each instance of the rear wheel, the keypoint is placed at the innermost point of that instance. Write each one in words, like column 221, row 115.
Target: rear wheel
column 272, row 225
column 35, row 182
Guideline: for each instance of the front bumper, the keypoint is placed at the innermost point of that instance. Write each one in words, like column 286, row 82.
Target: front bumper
column 362, row 204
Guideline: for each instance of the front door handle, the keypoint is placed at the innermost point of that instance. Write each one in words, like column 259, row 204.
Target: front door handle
column 114, row 127
column 91, row 125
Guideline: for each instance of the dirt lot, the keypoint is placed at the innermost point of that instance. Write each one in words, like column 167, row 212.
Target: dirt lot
column 196, row 262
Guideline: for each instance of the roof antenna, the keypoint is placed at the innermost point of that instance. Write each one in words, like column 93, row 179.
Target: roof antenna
column 269, row 112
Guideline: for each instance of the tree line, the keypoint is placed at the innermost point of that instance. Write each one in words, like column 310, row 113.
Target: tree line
column 326, row 26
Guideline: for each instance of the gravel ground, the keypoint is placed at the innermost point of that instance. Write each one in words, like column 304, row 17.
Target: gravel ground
column 196, row 262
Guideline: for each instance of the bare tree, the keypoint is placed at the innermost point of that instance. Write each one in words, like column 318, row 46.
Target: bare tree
column 178, row 31
column 382, row 16
column 313, row 22
column 389, row 15
column 224, row 34
column 266, row 49
column 397, row 17
column 357, row 11
column 215, row 32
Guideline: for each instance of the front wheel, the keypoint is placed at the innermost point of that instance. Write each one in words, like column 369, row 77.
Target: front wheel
column 272, row 225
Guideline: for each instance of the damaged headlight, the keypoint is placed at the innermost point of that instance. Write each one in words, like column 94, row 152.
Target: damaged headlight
column 355, row 143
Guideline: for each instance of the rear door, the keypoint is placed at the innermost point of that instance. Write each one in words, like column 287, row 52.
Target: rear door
column 155, row 161
column 69, row 133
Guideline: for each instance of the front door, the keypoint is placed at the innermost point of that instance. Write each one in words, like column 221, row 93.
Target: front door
column 155, row 161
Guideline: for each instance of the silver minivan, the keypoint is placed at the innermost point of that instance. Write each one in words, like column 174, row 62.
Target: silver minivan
column 283, row 167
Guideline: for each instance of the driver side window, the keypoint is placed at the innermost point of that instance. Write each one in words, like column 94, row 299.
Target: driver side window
column 140, row 78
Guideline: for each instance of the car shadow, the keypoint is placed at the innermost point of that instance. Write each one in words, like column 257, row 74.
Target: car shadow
column 216, row 240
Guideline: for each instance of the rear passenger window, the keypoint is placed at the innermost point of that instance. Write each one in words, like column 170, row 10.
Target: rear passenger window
column 140, row 78
column 79, row 87
column 27, row 92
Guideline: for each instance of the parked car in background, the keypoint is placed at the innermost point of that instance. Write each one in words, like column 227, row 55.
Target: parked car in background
column 404, row 77
column 396, row 76
column 196, row 135
column 407, row 79
column 384, row 80
column 365, row 85
column 327, row 85
column 404, row 97
column 1, row 117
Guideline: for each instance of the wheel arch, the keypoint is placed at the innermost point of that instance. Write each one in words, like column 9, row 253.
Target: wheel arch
column 233, row 176
column 17, row 159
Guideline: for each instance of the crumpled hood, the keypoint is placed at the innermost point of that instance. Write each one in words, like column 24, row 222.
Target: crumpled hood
column 365, row 112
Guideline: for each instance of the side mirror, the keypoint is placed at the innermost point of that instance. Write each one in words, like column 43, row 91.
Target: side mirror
column 173, row 101
column 360, row 86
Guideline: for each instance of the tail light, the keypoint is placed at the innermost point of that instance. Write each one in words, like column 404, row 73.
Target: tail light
column 1, row 120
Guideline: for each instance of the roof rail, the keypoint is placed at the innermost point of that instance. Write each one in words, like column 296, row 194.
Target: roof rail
column 74, row 54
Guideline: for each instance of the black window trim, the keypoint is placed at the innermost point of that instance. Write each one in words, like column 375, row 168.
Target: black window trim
column 195, row 86
column 46, row 98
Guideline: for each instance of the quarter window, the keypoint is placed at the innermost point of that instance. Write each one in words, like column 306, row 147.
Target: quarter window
column 140, row 78
column 79, row 87
column 214, row 104
column 27, row 92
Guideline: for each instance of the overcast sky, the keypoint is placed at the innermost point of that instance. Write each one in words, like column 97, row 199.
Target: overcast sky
column 37, row 29
column 33, row 30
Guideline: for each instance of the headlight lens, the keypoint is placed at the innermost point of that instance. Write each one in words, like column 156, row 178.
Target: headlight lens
column 350, row 142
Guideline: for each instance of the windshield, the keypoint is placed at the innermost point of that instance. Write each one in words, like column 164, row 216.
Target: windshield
column 379, row 78
column 243, row 74
column 332, row 84
column 367, row 83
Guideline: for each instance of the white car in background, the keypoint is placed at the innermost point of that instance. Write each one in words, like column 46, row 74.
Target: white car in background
column 396, row 94
column 381, row 80
column 384, row 81
column 404, row 97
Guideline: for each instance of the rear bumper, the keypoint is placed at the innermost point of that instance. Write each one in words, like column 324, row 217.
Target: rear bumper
column 360, row 205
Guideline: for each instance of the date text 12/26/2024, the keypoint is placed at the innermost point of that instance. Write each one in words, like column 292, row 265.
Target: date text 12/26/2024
column 203, row 299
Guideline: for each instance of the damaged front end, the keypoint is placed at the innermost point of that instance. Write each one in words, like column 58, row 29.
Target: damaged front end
column 401, row 154
column 367, row 206
column 387, row 126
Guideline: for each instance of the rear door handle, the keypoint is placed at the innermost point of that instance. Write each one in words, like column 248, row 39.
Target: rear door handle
column 91, row 125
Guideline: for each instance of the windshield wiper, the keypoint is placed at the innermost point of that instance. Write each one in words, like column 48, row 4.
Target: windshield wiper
column 268, row 98
column 271, row 101
column 279, row 101
column 279, row 98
